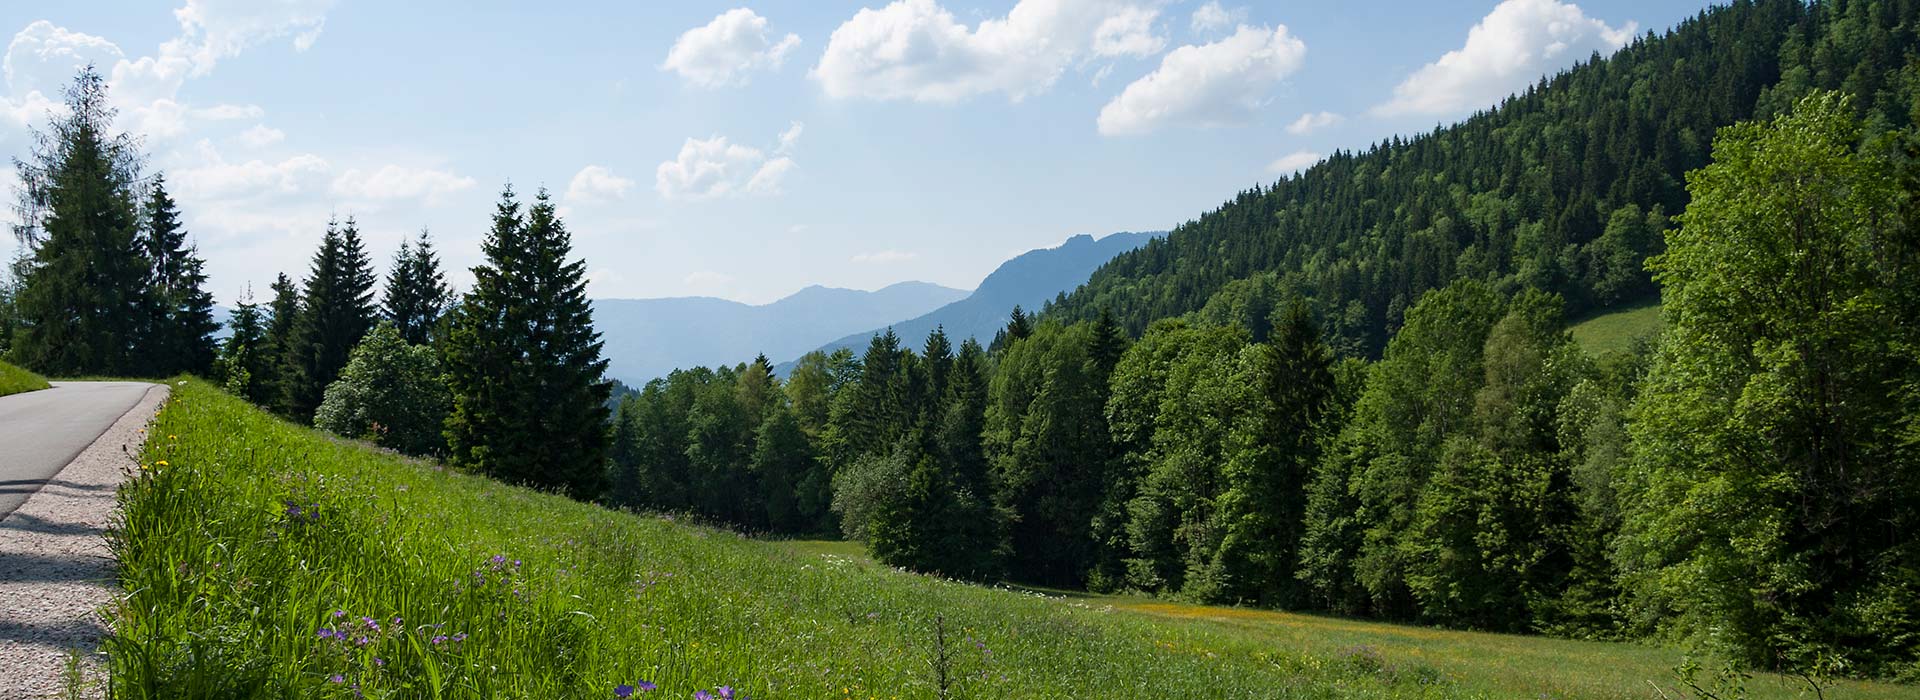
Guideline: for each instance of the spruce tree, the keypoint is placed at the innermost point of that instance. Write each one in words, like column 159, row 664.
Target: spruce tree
column 417, row 292
column 180, row 325
column 268, row 385
column 523, row 360
column 336, row 311
column 243, row 362
column 84, row 288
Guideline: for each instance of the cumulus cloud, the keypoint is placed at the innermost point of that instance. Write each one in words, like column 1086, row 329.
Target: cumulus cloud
column 1213, row 84
column 883, row 257
column 212, row 177
column 597, row 183
column 1212, row 17
column 917, row 50
column 1512, row 46
column 261, row 136
column 1294, row 162
column 717, row 167
column 394, row 182
column 1313, row 121
column 728, row 49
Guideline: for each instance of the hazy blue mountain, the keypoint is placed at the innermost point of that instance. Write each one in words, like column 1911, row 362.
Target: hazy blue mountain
column 648, row 338
column 1030, row 281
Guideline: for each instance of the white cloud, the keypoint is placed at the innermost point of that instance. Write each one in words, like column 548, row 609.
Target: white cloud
column 1313, row 121
column 883, row 257
column 261, row 136
column 1294, row 162
column 1514, row 45
column 213, row 178
column 1129, row 33
column 596, row 183
column 1212, row 16
column 216, row 29
column 230, row 112
column 789, row 138
column 1207, row 85
column 917, row 50
column 726, row 50
column 716, row 167
column 392, row 182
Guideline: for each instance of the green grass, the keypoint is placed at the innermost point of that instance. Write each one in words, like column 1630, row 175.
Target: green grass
column 14, row 380
column 1615, row 331
column 243, row 534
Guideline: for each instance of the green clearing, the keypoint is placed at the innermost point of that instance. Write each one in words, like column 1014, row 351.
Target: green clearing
column 244, row 535
column 1615, row 331
column 14, row 380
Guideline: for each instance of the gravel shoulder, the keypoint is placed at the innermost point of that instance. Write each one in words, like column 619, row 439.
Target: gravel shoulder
column 56, row 572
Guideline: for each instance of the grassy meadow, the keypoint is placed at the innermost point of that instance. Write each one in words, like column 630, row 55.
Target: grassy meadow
column 14, row 380
column 262, row 559
column 1615, row 331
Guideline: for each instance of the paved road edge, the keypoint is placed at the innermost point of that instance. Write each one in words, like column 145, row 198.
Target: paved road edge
column 59, row 572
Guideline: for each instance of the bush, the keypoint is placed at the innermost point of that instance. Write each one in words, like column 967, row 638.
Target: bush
column 391, row 393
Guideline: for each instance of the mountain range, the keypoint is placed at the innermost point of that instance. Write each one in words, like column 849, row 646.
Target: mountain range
column 1030, row 280
column 648, row 338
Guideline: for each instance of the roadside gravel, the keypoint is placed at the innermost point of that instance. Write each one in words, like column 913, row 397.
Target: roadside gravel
column 55, row 570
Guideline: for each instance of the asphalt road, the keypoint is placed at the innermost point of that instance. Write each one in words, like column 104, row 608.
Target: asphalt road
column 41, row 431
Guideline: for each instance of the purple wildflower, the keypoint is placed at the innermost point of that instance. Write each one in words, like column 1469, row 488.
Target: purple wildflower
column 702, row 695
column 623, row 691
column 326, row 633
column 337, row 614
column 336, row 678
column 646, row 685
column 439, row 639
column 726, row 692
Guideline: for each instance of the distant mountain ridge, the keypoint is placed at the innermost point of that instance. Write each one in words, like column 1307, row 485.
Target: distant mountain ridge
column 1029, row 280
column 649, row 338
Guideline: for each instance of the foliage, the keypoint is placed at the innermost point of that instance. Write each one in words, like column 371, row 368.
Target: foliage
column 179, row 325
column 1771, row 501
column 390, row 393
column 417, row 292
column 336, row 311
column 1561, row 188
column 243, row 365
column 523, row 361
column 84, row 287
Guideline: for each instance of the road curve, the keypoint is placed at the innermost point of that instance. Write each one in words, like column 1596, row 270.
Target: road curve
column 41, row 431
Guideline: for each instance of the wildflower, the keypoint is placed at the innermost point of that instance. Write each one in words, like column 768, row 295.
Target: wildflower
column 646, row 685
column 159, row 463
column 702, row 695
column 326, row 633
column 726, row 692
column 337, row 614
column 336, row 678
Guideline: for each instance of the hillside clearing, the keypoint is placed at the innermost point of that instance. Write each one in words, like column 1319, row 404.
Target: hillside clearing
column 1616, row 331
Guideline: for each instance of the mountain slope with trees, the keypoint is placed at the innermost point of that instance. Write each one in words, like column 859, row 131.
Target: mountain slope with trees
column 1564, row 188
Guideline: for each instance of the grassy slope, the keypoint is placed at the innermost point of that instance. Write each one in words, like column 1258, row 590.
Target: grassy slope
column 237, row 550
column 14, row 380
column 1615, row 331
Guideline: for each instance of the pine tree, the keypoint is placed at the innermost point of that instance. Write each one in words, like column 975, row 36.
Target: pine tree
column 243, row 360
column 417, row 292
column 179, row 334
column 269, row 384
column 83, row 292
column 336, row 311
column 523, row 360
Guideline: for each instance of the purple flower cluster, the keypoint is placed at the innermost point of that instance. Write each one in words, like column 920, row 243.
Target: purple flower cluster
column 724, row 692
column 626, row 691
column 296, row 512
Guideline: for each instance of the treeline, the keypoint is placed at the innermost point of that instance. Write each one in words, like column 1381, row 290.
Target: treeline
column 1750, row 479
column 505, row 379
column 1564, row 188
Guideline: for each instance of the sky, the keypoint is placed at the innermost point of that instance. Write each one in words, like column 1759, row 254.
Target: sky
column 747, row 151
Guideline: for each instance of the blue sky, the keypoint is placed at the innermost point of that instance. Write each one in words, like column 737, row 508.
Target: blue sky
column 746, row 151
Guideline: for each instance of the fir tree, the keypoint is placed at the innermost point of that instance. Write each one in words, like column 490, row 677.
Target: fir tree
column 179, row 334
column 268, row 384
column 336, row 311
column 417, row 292
column 83, row 292
column 523, row 360
column 243, row 360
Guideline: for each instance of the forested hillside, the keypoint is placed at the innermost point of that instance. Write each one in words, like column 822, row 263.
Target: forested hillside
column 1564, row 188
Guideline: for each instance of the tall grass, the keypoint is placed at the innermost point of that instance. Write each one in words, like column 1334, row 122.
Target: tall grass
column 265, row 560
column 14, row 380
